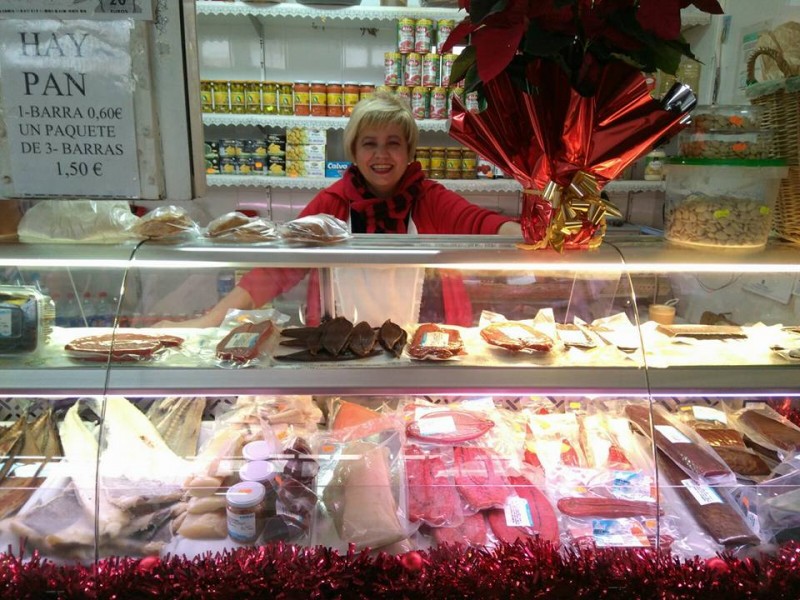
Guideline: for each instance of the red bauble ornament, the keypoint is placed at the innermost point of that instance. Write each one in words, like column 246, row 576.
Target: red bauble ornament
column 412, row 561
column 147, row 564
column 717, row 564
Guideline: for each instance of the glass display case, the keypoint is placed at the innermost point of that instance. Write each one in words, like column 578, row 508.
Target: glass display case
column 396, row 393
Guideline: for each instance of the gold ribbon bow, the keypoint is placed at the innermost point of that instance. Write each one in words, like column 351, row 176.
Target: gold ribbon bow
column 575, row 205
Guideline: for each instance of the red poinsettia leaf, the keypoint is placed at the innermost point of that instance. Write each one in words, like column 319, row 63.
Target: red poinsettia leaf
column 496, row 47
column 660, row 17
column 709, row 6
column 459, row 34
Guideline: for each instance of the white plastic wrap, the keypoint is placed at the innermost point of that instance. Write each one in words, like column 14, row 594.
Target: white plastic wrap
column 78, row 221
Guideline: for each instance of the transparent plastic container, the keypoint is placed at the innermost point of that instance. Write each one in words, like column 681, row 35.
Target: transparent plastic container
column 726, row 118
column 725, row 204
column 740, row 144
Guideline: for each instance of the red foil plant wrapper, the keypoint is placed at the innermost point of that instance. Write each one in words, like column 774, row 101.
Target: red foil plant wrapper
column 568, row 107
column 563, row 147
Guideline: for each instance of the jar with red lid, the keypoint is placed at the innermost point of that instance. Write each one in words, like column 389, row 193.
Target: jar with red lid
column 318, row 99
column 334, row 99
column 351, row 95
column 302, row 106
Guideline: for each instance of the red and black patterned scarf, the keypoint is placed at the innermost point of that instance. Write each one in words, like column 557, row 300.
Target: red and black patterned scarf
column 383, row 215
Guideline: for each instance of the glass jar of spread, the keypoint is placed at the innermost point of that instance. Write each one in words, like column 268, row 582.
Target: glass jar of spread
column 438, row 159
column 221, row 96
column 259, row 450
column 351, row 95
column 206, row 99
column 252, row 97
column 285, row 98
column 246, row 511
column 423, row 157
column 365, row 90
column 262, row 472
column 318, row 99
column 469, row 164
column 302, row 90
column 452, row 158
column 333, row 92
column 270, row 97
column 237, row 97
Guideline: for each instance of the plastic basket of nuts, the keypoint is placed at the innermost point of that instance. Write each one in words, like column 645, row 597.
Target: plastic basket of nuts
column 721, row 203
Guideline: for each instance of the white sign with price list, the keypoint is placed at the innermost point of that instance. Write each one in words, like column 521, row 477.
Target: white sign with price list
column 67, row 93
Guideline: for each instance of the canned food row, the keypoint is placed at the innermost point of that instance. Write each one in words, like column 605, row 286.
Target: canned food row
column 432, row 103
column 301, row 98
column 428, row 70
column 452, row 162
column 294, row 142
column 422, row 35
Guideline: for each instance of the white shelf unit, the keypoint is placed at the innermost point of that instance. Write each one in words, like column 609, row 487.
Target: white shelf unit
column 483, row 186
column 332, row 123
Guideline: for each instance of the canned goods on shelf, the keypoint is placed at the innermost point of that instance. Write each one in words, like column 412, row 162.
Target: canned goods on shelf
column 392, row 68
column 412, row 69
column 350, row 95
column 285, row 98
column 302, row 105
column 443, row 29
column 430, row 70
column 446, row 68
column 404, row 92
column 365, row 90
column 420, row 102
column 405, row 35
column 423, row 36
column 452, row 93
column 387, row 89
column 437, row 173
column 221, row 96
column 252, row 97
column 452, row 174
column 228, row 165
column 471, row 102
column 318, row 99
column 269, row 97
column 438, row 103
column 237, row 97
column 333, row 93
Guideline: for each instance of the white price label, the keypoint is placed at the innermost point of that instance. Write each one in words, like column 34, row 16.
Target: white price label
column 242, row 340
column 437, row 425
column 68, row 106
column 435, row 339
column 706, row 413
column 5, row 322
column 704, row 494
column 518, row 512
column 672, row 434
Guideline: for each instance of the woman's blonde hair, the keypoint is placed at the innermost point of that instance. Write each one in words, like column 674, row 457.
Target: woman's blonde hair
column 379, row 110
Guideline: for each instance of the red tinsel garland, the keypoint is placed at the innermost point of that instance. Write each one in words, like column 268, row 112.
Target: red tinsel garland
column 519, row 570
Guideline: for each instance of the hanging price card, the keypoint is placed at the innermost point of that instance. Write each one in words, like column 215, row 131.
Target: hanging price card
column 67, row 95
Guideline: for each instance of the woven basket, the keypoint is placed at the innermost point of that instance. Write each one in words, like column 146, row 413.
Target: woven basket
column 781, row 103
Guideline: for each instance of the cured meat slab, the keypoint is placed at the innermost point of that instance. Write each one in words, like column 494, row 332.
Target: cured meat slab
column 477, row 478
column 432, row 341
column 432, row 497
column 120, row 346
column 471, row 532
column 545, row 521
column 773, row 431
column 244, row 342
column 516, row 336
column 448, row 427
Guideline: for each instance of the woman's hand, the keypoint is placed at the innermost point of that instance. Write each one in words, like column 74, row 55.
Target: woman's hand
column 511, row 229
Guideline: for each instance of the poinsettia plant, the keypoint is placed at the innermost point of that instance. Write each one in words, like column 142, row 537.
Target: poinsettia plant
column 579, row 35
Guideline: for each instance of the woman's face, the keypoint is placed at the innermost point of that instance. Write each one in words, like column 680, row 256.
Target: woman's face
column 382, row 155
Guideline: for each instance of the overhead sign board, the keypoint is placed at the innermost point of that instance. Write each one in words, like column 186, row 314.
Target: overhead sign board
column 77, row 9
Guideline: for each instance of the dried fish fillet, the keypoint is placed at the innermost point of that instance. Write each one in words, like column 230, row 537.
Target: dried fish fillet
column 392, row 337
column 362, row 339
column 178, row 420
column 336, row 335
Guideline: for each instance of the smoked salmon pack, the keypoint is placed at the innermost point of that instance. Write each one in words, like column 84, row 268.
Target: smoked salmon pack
column 120, row 347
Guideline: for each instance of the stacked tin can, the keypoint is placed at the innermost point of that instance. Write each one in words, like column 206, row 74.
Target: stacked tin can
column 417, row 70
